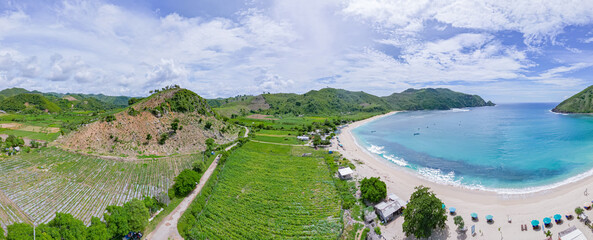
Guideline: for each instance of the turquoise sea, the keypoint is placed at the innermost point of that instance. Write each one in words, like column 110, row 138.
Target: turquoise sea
column 509, row 148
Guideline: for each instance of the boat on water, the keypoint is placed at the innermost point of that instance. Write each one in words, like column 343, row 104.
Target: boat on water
column 416, row 133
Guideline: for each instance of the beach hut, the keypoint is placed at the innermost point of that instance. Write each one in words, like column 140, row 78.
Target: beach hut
column 387, row 210
column 345, row 173
column 474, row 216
column 535, row 223
column 489, row 218
column 572, row 233
column 557, row 218
column 452, row 210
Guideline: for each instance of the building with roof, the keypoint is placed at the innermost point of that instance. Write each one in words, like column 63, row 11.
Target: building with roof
column 388, row 209
column 345, row 173
column 572, row 233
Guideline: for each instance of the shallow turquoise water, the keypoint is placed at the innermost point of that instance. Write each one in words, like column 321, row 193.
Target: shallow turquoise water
column 520, row 147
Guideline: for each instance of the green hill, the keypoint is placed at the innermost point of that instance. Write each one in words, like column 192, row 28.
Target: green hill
column 581, row 102
column 29, row 102
column 433, row 99
column 326, row 101
column 9, row 92
column 330, row 101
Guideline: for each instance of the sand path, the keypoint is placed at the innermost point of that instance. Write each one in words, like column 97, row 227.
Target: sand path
column 521, row 208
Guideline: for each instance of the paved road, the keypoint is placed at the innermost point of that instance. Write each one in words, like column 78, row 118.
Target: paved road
column 167, row 229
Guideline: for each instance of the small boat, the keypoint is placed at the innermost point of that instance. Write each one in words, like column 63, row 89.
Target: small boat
column 416, row 134
column 373, row 131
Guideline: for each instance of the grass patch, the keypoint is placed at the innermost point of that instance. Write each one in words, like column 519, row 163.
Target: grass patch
column 265, row 191
column 31, row 135
column 285, row 140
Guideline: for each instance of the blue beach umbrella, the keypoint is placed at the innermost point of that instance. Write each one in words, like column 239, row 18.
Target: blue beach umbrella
column 557, row 217
column 535, row 223
column 474, row 215
column 488, row 217
column 452, row 209
column 443, row 206
column 547, row 220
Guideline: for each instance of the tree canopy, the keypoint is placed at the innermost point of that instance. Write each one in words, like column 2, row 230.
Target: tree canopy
column 373, row 189
column 423, row 213
column 185, row 182
column 97, row 230
column 68, row 227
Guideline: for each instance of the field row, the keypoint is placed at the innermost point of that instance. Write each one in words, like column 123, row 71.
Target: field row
column 264, row 191
column 54, row 180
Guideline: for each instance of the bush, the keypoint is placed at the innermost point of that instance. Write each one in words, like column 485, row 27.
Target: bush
column 185, row 182
column 163, row 138
column 378, row 230
column 208, row 125
column 373, row 189
column 199, row 166
column 109, row 118
column 364, row 234
column 579, row 210
column 458, row 220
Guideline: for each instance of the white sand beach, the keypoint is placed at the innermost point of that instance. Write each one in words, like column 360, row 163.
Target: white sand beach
column 521, row 208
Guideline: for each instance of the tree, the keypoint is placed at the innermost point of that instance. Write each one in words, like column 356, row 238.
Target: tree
column 163, row 138
column 458, row 220
column 152, row 204
column 97, row 230
column 68, row 227
column 209, row 144
column 175, row 125
column 423, row 213
column 185, row 182
column 148, row 137
column 138, row 215
column 578, row 210
column 45, row 232
column 117, row 221
column 373, row 189
column 2, row 237
column 19, row 231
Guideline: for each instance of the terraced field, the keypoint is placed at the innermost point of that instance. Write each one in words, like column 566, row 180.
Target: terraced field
column 267, row 191
column 52, row 180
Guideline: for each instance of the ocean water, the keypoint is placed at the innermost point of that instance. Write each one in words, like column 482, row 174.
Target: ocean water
column 510, row 148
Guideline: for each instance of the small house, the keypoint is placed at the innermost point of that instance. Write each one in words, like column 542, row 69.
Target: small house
column 572, row 233
column 345, row 173
column 303, row 138
column 18, row 149
column 388, row 209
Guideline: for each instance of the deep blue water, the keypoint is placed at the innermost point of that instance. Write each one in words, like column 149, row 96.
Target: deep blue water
column 510, row 146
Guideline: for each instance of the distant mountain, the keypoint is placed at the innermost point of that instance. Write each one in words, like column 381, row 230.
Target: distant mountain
column 9, row 92
column 330, row 101
column 433, row 99
column 581, row 102
column 167, row 122
column 326, row 101
column 29, row 102
column 64, row 101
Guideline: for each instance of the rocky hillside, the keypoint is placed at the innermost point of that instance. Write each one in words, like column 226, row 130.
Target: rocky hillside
column 168, row 122
column 581, row 102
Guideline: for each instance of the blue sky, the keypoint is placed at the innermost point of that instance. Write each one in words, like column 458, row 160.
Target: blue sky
column 505, row 51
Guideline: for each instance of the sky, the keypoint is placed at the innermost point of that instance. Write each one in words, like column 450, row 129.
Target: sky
column 502, row 50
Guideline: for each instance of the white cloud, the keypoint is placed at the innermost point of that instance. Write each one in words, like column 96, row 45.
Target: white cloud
column 537, row 20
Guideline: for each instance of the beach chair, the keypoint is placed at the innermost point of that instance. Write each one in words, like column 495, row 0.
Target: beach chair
column 473, row 230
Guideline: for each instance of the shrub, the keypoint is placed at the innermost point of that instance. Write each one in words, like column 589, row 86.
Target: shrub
column 208, row 125
column 109, row 118
column 458, row 220
column 163, row 138
column 578, row 210
column 373, row 189
column 185, row 182
column 378, row 230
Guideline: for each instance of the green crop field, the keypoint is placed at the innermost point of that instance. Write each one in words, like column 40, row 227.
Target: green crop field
column 267, row 191
column 52, row 180
column 30, row 135
column 276, row 132
column 273, row 139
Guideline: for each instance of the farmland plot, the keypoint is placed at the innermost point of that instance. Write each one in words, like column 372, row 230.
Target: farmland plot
column 52, row 180
column 268, row 191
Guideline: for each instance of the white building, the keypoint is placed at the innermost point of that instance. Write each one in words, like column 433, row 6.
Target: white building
column 387, row 209
column 345, row 173
column 303, row 138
